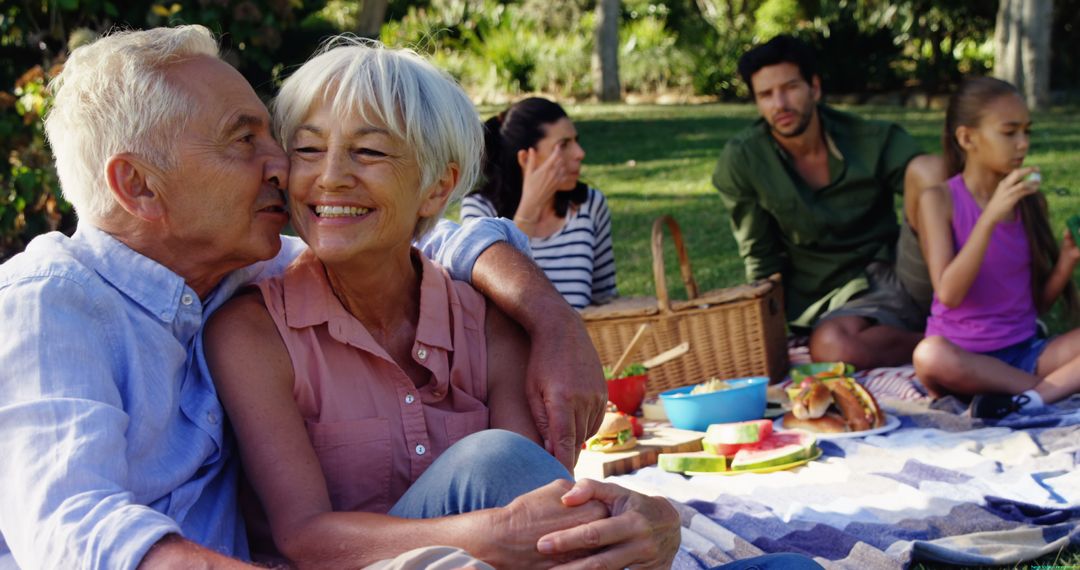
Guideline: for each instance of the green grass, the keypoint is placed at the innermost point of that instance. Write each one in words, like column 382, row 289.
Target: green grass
column 651, row 160
column 673, row 150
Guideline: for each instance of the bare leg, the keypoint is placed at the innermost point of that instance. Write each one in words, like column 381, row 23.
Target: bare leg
column 1059, row 367
column 862, row 343
column 945, row 368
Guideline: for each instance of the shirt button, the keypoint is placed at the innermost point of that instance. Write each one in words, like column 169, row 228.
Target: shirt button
column 211, row 417
column 422, row 354
column 186, row 299
column 420, row 449
column 409, row 398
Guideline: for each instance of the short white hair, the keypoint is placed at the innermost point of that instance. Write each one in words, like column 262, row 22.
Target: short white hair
column 419, row 103
column 113, row 96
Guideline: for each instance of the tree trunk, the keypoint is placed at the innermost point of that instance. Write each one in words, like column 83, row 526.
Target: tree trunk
column 1022, row 47
column 370, row 22
column 606, row 53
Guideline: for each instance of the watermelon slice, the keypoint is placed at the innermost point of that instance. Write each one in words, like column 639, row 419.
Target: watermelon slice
column 727, row 449
column 777, row 449
column 692, row 461
column 739, row 432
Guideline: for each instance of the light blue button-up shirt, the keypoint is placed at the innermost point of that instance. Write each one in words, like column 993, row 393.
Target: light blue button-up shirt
column 111, row 433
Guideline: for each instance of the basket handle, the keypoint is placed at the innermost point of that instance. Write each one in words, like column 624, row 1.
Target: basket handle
column 662, row 299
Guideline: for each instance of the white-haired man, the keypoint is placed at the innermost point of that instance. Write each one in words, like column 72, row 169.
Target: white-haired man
column 110, row 429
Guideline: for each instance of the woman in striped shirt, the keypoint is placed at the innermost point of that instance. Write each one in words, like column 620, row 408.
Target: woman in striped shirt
column 532, row 166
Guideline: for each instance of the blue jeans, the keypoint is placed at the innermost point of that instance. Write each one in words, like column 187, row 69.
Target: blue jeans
column 485, row 470
column 491, row 468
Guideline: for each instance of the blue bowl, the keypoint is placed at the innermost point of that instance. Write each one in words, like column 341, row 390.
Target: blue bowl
column 743, row 401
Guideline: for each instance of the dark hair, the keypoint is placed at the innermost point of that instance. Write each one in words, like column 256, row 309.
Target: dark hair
column 518, row 128
column 966, row 109
column 781, row 49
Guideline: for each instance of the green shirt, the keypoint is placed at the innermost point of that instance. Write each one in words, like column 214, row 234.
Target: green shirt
column 819, row 240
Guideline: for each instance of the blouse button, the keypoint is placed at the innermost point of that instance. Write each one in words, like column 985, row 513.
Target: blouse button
column 409, row 398
column 420, row 449
column 186, row 299
column 422, row 354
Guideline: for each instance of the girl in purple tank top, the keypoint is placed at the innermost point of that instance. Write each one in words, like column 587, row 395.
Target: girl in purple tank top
column 994, row 264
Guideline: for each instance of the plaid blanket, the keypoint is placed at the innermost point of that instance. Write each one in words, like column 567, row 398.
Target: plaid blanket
column 941, row 488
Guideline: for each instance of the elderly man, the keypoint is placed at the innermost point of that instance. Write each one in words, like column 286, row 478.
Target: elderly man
column 111, row 433
column 810, row 193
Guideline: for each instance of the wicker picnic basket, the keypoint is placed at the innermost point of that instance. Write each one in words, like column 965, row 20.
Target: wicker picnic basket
column 732, row 332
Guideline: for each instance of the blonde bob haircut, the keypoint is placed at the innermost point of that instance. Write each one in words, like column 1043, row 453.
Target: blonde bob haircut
column 113, row 96
column 418, row 103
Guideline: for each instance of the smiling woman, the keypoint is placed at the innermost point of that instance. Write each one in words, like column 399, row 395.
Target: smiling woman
column 372, row 372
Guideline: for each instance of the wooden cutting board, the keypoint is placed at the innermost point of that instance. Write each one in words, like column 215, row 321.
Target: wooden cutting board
column 659, row 438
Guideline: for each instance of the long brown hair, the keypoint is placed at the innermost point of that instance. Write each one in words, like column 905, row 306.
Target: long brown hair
column 966, row 107
column 518, row 128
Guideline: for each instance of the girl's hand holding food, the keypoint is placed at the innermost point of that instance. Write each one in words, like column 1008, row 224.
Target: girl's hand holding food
column 1009, row 192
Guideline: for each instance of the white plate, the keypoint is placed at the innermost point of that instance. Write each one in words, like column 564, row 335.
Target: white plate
column 891, row 423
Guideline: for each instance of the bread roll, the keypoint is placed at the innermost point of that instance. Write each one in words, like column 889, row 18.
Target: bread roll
column 828, row 423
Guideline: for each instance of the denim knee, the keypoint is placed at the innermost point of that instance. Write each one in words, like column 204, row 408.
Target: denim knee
column 484, row 470
column 492, row 450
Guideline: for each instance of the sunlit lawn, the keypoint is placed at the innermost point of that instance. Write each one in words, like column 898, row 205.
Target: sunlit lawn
column 651, row 160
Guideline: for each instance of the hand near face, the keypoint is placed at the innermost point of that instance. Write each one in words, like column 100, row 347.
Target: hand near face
column 642, row 531
column 1009, row 192
column 540, row 181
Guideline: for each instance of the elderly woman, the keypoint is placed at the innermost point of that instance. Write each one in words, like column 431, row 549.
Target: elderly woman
column 361, row 383
column 532, row 169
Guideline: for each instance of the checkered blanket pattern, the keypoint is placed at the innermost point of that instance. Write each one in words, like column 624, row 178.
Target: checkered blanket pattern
column 941, row 488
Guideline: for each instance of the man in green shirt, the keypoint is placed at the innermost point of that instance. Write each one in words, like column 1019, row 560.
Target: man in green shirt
column 810, row 191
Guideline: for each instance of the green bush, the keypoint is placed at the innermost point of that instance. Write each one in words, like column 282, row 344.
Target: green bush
column 30, row 200
column 506, row 49
column 651, row 60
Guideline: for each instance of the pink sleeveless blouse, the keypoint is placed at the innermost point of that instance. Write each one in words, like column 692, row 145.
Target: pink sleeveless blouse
column 373, row 431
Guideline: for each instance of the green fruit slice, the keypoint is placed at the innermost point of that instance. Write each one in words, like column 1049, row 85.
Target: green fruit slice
column 739, row 432
column 778, row 449
column 692, row 461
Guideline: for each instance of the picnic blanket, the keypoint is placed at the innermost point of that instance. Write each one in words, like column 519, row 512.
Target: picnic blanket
column 943, row 487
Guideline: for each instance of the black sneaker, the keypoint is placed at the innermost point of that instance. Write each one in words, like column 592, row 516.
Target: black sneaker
column 997, row 406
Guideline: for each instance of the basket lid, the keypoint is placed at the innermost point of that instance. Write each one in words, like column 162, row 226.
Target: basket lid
column 621, row 307
column 753, row 290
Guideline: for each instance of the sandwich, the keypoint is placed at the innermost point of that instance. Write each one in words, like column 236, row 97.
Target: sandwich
column 832, row 405
column 616, row 434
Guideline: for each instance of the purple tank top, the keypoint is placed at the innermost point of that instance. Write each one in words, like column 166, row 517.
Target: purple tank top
column 998, row 310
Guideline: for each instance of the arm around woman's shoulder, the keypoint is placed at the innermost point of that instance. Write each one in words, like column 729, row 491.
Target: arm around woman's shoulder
column 508, row 351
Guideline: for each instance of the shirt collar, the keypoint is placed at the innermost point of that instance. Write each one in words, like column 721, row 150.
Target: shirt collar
column 826, row 129
column 150, row 284
column 309, row 302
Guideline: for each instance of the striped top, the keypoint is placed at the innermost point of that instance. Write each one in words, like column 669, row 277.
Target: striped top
column 578, row 258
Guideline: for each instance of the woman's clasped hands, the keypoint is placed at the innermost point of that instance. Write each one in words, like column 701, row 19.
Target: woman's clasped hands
column 587, row 525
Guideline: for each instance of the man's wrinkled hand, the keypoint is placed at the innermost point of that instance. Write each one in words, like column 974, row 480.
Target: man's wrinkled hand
column 566, row 386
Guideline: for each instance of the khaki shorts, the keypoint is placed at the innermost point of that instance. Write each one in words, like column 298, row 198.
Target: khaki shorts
column 886, row 302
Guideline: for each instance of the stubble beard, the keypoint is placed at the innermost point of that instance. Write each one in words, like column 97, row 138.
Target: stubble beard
column 804, row 123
